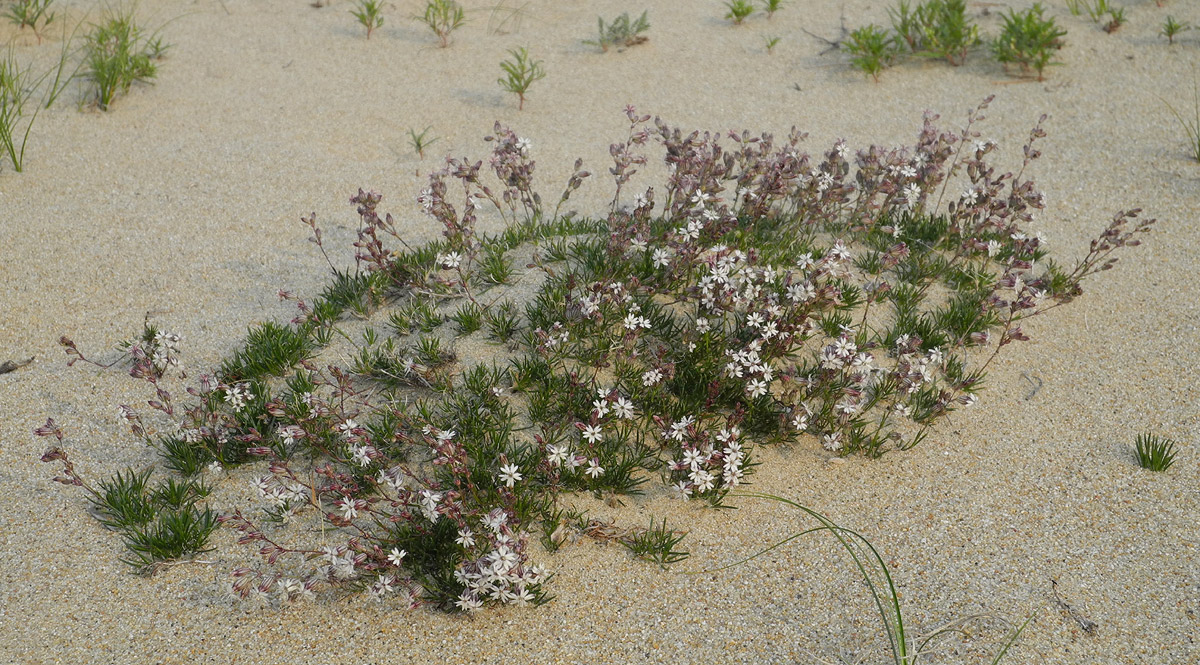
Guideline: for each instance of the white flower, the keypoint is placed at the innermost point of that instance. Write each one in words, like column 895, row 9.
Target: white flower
column 346, row 428
column 594, row 469
column 601, row 407
column 349, row 507
column 651, row 377
column 970, row 196
column 832, row 441
column 802, row 292
column 396, row 556
column 556, row 455
column 510, row 474
column 382, row 586
column 361, row 455
column 702, row 325
column 693, row 459
column 732, row 476
column 633, row 322
column 469, row 602
column 429, row 504
column 702, row 480
column 425, row 199
column 683, row 489
column 495, row 520
column 623, row 408
column 523, row 145
column 465, row 538
column 449, row 261
column 236, row 397
column 756, row 388
column 912, row 195
column 993, row 247
column 592, row 433
column 800, row 420
column 661, row 258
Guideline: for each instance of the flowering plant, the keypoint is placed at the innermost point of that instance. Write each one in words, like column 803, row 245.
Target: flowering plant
column 761, row 295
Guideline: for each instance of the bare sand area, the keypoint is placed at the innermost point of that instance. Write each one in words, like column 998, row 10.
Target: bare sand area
column 184, row 200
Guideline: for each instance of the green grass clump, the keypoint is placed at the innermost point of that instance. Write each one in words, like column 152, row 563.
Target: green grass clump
column 117, row 54
column 159, row 523
column 623, row 32
column 271, row 349
column 871, row 49
column 1028, row 39
column 16, row 87
column 1154, row 452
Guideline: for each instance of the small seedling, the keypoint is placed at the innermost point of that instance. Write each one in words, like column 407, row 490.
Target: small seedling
column 656, row 544
column 739, row 10
column 1028, row 39
column 419, row 142
column 871, row 49
column 623, row 32
column 1116, row 19
column 1171, row 27
column 443, row 17
column 29, row 13
column 771, row 43
column 519, row 73
column 369, row 14
column 1154, row 452
column 772, row 6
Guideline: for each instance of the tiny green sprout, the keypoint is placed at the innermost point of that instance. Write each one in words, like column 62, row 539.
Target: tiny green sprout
column 369, row 14
column 656, row 544
column 419, row 142
column 771, row 43
column 442, row 17
column 1116, row 19
column 1171, row 27
column 739, row 10
column 1155, row 453
column 772, row 6
column 519, row 73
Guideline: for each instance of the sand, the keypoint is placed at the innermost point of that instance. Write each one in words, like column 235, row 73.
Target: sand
column 184, row 200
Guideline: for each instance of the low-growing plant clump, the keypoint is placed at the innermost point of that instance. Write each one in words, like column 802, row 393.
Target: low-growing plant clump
column 941, row 29
column 1028, row 39
column 118, row 53
column 32, row 14
column 1154, row 452
column 851, row 300
column 623, row 32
